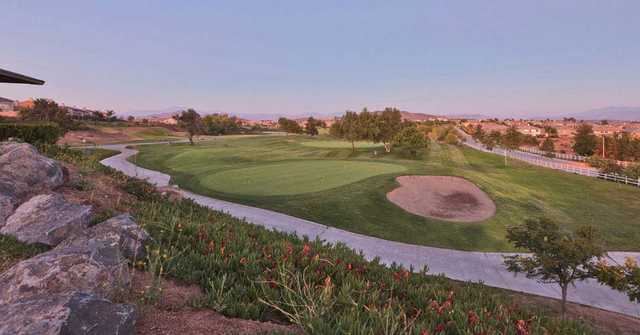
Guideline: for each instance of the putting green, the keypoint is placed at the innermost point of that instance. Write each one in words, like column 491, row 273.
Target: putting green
column 295, row 177
column 333, row 144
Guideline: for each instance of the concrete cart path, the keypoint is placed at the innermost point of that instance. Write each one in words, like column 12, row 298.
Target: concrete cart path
column 486, row 267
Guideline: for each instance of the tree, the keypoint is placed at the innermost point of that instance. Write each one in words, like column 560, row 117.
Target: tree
column 624, row 278
column 492, row 140
column 131, row 118
column 512, row 139
column 220, row 124
column 551, row 131
column 451, row 138
column 311, row 127
column 411, row 139
column 289, row 126
column 191, row 121
column 558, row 257
column 350, row 128
column 46, row 110
column 389, row 123
column 548, row 146
column 368, row 125
column 478, row 133
column 584, row 141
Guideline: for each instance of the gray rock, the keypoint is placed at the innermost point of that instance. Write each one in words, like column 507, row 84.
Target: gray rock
column 98, row 270
column 76, row 313
column 23, row 163
column 120, row 232
column 47, row 219
column 24, row 172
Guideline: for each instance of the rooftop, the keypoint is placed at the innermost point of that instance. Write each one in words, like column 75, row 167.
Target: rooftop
column 16, row 78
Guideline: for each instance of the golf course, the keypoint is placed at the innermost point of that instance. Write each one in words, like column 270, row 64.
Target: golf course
column 321, row 179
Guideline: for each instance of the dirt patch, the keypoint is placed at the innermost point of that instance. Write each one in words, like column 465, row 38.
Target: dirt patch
column 442, row 197
column 109, row 135
column 96, row 189
column 604, row 322
column 173, row 314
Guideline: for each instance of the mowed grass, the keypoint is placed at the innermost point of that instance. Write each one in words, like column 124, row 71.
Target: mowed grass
column 295, row 177
column 331, row 143
column 519, row 190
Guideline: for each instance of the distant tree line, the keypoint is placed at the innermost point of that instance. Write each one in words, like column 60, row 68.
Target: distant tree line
column 384, row 127
column 213, row 124
column 512, row 139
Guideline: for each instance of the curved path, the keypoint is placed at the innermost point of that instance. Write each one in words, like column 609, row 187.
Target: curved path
column 486, row 267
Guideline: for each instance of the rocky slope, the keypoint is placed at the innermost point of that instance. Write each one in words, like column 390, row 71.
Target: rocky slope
column 65, row 290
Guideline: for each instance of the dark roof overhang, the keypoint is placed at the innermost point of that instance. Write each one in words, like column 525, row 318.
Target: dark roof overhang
column 16, row 78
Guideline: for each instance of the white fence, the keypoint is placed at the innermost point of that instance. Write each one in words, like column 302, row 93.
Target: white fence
column 535, row 159
column 568, row 157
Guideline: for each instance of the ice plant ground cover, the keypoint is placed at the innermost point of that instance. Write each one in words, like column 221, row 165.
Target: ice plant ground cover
column 250, row 272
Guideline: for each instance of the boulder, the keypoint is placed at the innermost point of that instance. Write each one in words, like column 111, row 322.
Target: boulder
column 47, row 219
column 98, row 269
column 76, row 313
column 120, row 232
column 23, row 163
column 92, row 261
column 24, row 172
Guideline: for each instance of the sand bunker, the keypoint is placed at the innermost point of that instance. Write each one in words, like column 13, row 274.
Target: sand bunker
column 444, row 198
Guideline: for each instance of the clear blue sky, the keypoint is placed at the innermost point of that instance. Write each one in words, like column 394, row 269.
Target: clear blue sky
column 500, row 57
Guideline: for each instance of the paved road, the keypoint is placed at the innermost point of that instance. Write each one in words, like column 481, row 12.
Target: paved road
column 486, row 267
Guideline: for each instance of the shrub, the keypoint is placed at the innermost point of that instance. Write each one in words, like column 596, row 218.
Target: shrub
column 34, row 133
column 632, row 171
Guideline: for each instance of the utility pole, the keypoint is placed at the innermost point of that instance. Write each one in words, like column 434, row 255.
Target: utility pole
column 603, row 147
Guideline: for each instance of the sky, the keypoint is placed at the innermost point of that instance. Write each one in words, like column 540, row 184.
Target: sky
column 498, row 57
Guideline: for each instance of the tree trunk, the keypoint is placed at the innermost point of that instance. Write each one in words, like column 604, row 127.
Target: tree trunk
column 564, row 300
column 191, row 139
column 387, row 147
column 353, row 146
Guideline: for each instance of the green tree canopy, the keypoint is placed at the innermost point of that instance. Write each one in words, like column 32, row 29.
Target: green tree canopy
column 220, row 124
column 47, row 111
column 557, row 257
column 548, row 146
column 191, row 121
column 389, row 123
column 584, row 141
column 312, row 125
column 411, row 139
column 289, row 126
column 512, row 139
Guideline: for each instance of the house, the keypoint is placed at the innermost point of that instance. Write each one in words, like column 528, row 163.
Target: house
column 7, row 105
column 79, row 113
column 529, row 130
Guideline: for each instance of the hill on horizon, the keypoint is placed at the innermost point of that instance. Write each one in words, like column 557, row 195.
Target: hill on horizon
column 610, row 113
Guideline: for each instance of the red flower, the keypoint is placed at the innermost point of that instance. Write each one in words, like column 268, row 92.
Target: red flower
column 349, row 267
column 306, row 249
column 472, row 318
column 424, row 332
column 211, row 247
column 434, row 305
column 521, row 327
column 439, row 328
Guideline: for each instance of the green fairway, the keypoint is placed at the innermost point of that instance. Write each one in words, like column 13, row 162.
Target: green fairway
column 333, row 186
column 295, row 177
column 338, row 144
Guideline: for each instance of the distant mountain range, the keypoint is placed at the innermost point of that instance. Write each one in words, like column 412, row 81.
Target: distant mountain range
column 610, row 113
column 607, row 113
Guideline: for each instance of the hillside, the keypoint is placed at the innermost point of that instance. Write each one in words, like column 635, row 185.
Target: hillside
column 610, row 113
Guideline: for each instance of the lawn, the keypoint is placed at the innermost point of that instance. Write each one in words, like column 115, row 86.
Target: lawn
column 288, row 175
